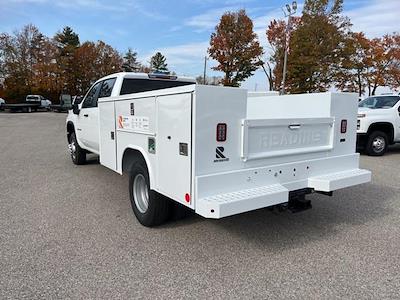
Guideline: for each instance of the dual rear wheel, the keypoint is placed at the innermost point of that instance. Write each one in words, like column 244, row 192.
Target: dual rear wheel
column 151, row 208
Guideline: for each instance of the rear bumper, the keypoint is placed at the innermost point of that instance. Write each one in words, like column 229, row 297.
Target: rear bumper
column 237, row 196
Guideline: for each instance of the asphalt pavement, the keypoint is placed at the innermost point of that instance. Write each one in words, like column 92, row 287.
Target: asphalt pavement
column 68, row 231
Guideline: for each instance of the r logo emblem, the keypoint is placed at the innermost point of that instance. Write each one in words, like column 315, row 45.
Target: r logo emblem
column 219, row 155
column 219, row 152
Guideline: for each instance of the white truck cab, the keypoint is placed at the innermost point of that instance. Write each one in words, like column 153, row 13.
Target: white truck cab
column 218, row 151
column 378, row 123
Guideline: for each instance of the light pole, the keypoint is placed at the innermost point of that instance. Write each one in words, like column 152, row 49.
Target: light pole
column 288, row 11
column 205, row 70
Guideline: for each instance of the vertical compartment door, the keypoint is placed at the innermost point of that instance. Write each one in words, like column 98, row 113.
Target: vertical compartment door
column 107, row 135
column 173, row 146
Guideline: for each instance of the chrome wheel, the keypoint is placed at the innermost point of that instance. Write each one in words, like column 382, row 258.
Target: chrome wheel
column 140, row 193
column 72, row 148
column 378, row 144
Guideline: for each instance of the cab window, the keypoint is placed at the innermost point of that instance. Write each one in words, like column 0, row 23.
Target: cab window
column 107, row 88
column 133, row 85
column 91, row 97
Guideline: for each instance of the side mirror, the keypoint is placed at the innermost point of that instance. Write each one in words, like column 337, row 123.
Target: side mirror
column 75, row 109
column 398, row 109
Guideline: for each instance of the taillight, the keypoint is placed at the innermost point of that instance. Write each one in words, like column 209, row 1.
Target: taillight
column 187, row 198
column 343, row 126
column 221, row 132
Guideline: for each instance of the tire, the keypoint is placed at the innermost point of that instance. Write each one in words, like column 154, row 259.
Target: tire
column 377, row 143
column 150, row 208
column 78, row 155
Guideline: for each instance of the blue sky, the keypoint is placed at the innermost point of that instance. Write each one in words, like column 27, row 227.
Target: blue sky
column 179, row 29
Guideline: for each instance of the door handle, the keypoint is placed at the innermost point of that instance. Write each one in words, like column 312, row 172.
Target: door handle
column 294, row 126
column 86, row 115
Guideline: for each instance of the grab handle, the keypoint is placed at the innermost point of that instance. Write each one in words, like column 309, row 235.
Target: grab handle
column 294, row 126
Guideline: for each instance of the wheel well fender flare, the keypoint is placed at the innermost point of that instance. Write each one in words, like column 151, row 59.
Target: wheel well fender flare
column 131, row 155
column 386, row 127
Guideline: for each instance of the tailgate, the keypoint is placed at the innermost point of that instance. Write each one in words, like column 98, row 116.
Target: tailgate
column 264, row 138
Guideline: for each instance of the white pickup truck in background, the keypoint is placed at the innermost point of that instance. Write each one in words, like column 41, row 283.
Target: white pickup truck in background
column 216, row 150
column 378, row 124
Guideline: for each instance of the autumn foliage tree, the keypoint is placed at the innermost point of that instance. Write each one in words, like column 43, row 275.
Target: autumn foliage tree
column 235, row 47
column 31, row 63
column 369, row 64
column 317, row 46
column 95, row 60
column 24, row 55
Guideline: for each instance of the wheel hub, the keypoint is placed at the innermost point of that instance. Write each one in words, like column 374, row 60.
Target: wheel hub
column 141, row 193
column 72, row 148
column 378, row 144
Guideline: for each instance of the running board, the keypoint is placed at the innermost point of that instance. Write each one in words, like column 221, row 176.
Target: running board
column 227, row 204
column 339, row 180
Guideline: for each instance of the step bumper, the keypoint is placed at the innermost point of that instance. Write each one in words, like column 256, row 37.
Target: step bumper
column 339, row 180
column 223, row 205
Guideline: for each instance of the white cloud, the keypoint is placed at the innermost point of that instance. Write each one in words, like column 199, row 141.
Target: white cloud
column 84, row 6
column 376, row 18
column 208, row 20
column 186, row 58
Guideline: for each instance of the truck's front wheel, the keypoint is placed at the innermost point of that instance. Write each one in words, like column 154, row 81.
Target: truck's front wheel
column 377, row 143
column 150, row 208
column 78, row 155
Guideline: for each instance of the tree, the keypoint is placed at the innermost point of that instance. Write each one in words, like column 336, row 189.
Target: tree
column 130, row 62
column 19, row 56
column 383, row 62
column 316, row 46
column 351, row 71
column 394, row 68
column 67, row 42
column 46, row 81
column 95, row 60
column 67, row 38
column 234, row 45
column 368, row 64
column 158, row 63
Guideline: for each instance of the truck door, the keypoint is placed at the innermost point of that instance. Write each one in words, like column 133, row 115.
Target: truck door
column 173, row 146
column 88, row 130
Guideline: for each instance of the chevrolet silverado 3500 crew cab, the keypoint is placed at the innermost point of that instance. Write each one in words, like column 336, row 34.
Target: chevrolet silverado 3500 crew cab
column 378, row 123
column 216, row 150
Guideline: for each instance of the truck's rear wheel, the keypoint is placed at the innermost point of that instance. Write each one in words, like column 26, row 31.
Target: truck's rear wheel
column 377, row 143
column 78, row 155
column 150, row 208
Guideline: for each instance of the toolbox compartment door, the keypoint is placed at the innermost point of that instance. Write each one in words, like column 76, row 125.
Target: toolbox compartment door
column 173, row 146
column 265, row 138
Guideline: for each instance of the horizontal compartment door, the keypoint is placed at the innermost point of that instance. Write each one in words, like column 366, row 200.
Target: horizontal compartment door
column 278, row 137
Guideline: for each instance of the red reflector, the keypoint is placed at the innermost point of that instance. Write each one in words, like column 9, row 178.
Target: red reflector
column 187, row 198
column 221, row 132
column 343, row 126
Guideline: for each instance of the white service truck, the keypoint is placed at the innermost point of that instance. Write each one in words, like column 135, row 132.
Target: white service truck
column 378, row 123
column 215, row 150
